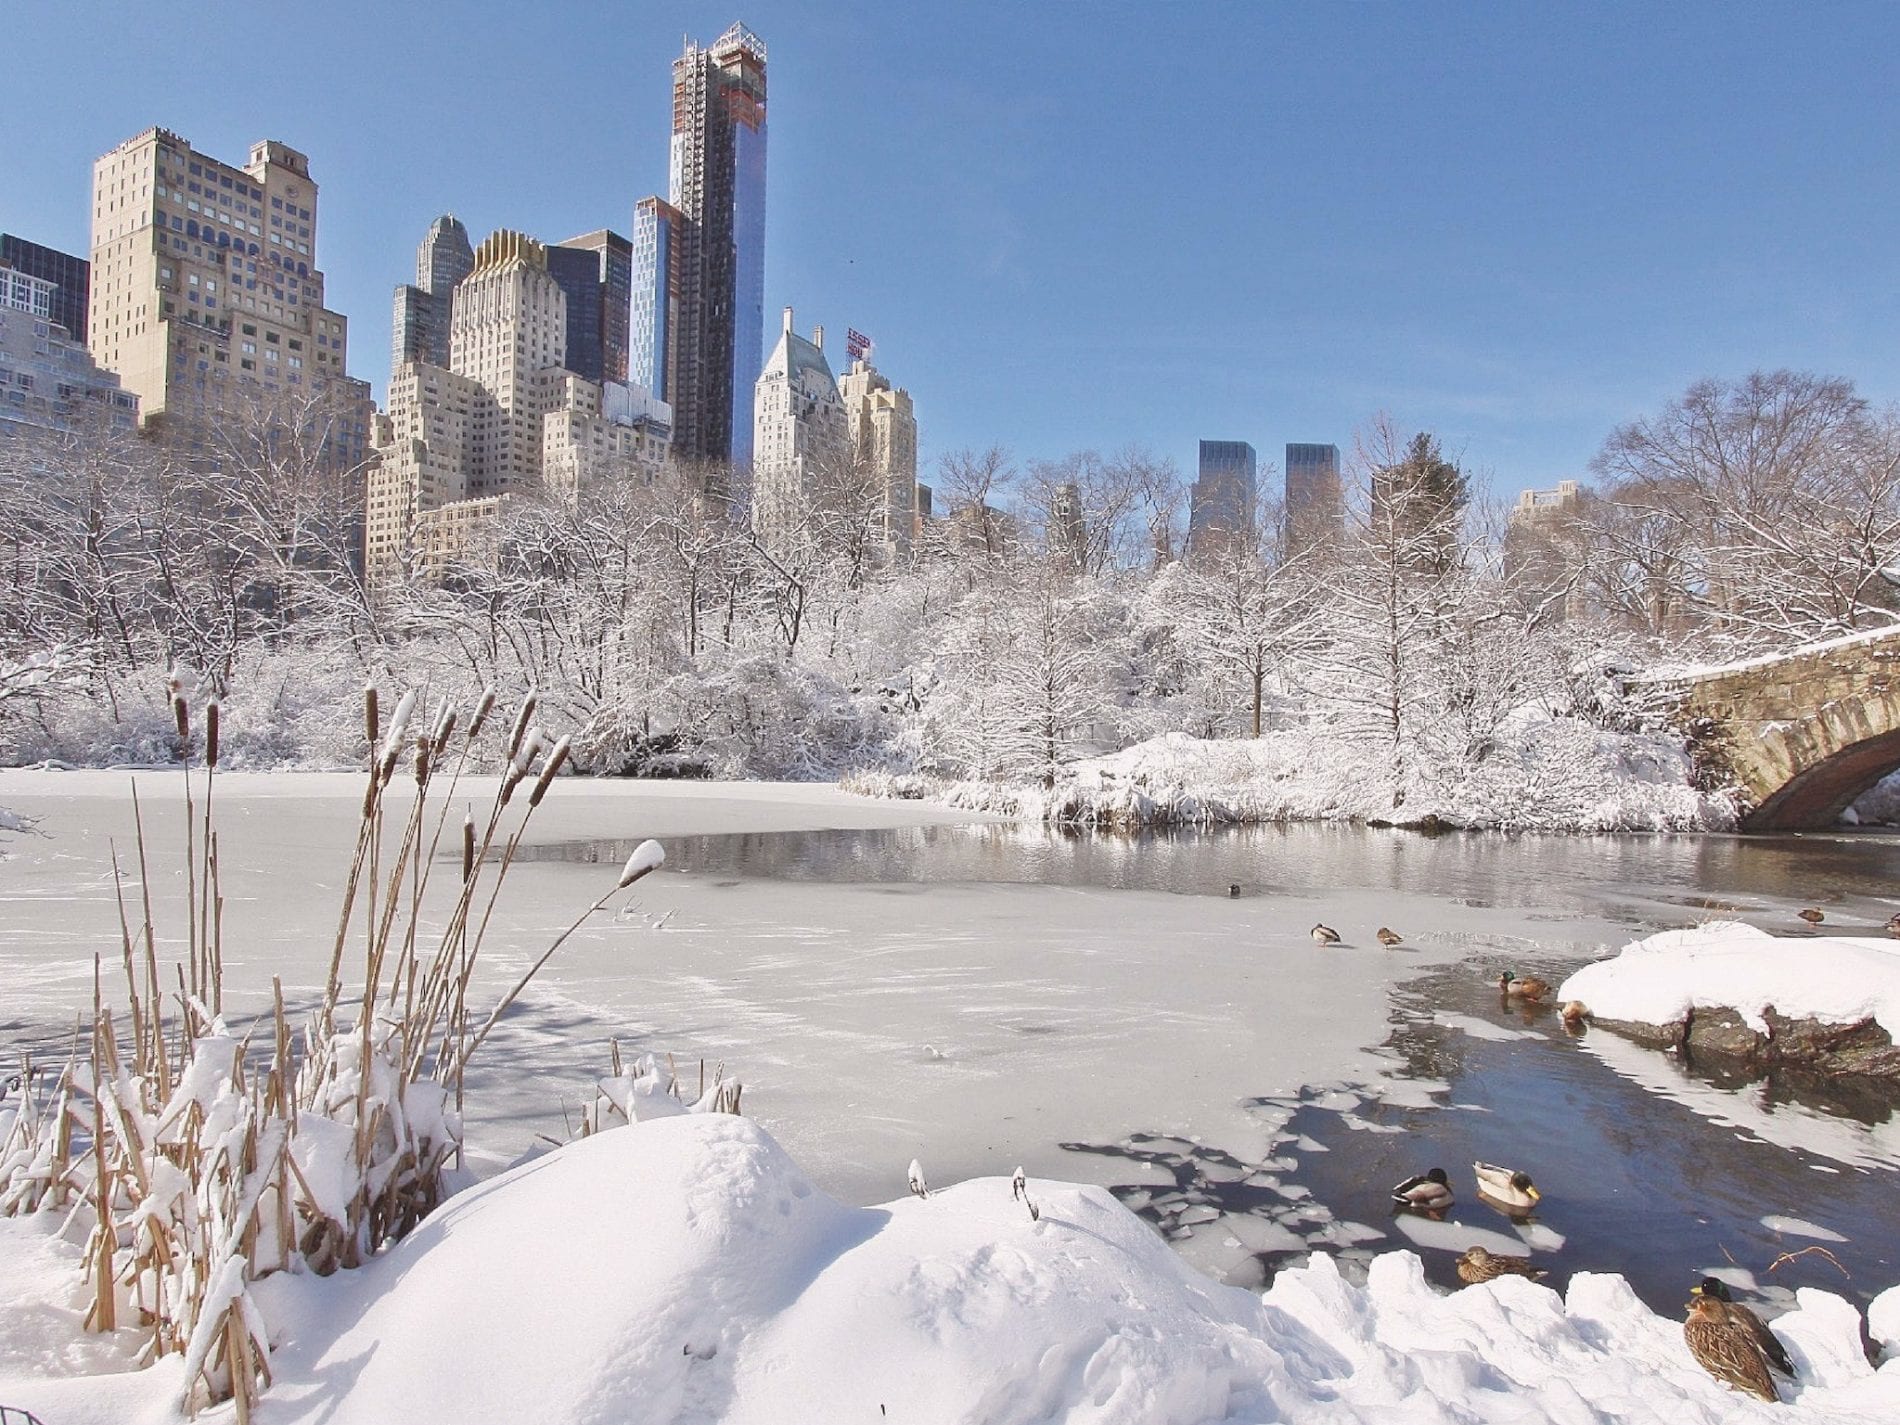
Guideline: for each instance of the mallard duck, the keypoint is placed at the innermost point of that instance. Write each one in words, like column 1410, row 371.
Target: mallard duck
column 1530, row 987
column 1479, row 1265
column 1813, row 915
column 1893, row 926
column 1574, row 1012
column 1389, row 937
column 1430, row 1190
column 1325, row 935
column 1508, row 1189
column 1771, row 1347
column 1726, row 1349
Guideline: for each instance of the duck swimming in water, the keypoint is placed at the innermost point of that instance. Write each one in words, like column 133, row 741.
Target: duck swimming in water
column 1430, row 1191
column 1513, row 1191
column 1530, row 987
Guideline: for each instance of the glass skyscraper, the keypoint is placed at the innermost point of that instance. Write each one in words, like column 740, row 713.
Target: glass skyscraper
column 698, row 338
column 71, row 275
column 1315, row 504
column 1221, row 503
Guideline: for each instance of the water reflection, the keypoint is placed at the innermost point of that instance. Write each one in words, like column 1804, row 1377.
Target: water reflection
column 1638, row 876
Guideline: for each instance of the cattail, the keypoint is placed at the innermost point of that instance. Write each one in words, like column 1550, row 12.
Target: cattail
column 444, row 726
column 509, row 781
column 468, row 848
column 647, row 857
column 211, row 733
column 521, row 722
column 181, row 711
column 526, row 752
column 387, row 769
column 399, row 722
column 482, row 710
column 372, row 727
column 423, row 747
column 548, row 770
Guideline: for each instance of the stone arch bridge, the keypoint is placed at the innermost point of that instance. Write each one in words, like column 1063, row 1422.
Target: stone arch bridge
column 1801, row 734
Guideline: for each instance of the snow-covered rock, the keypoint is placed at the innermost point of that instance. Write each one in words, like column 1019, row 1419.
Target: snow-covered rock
column 1780, row 989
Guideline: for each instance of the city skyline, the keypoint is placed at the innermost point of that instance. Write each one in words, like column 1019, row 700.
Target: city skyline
column 987, row 219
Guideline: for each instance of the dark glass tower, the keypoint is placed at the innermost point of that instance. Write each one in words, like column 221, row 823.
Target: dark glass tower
column 595, row 271
column 1315, row 505
column 1221, row 504
column 699, row 289
column 73, row 275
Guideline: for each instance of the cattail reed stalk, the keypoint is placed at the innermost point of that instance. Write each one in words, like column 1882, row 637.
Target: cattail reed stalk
column 548, row 771
column 482, row 709
column 212, row 715
column 372, row 725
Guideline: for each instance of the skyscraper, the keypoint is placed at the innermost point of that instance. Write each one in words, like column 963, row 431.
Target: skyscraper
column 881, row 438
column 421, row 326
column 1315, row 510
column 596, row 271
column 802, row 438
column 699, row 288
column 70, row 275
column 47, row 380
column 1221, row 503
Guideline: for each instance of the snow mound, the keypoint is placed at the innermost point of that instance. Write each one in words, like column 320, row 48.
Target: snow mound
column 1660, row 979
column 684, row 1269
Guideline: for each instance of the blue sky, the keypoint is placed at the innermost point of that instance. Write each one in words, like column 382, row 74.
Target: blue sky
column 1082, row 225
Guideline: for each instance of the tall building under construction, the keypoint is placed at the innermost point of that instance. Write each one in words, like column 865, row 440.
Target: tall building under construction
column 699, row 256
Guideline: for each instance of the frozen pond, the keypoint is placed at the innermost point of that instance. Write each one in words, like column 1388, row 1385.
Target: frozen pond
column 892, row 981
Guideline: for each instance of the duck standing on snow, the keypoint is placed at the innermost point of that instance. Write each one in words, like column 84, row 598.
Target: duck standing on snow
column 1893, row 926
column 1813, row 915
column 1726, row 1349
column 1429, row 1191
column 1771, row 1348
column 1512, row 1191
column 1325, row 935
column 1389, row 937
column 1479, row 1265
column 1530, row 987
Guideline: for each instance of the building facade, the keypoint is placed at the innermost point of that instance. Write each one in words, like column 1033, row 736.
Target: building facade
column 1314, row 510
column 48, row 381
column 595, row 271
column 506, row 416
column 71, row 277
column 699, row 278
column 800, row 437
column 420, row 330
column 205, row 296
column 881, row 443
column 1222, row 500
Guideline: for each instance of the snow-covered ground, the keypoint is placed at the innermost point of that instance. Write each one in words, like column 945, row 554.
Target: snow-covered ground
column 1545, row 774
column 1723, row 965
column 971, row 1026
column 685, row 1269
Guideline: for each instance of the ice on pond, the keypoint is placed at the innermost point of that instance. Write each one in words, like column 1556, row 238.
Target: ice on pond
column 1454, row 1236
column 1480, row 1028
column 1796, row 1227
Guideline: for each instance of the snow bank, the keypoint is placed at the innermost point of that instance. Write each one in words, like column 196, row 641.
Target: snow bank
column 1659, row 980
column 1541, row 774
column 685, row 1270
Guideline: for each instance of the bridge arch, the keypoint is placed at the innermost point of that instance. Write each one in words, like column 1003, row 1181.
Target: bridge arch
column 1799, row 735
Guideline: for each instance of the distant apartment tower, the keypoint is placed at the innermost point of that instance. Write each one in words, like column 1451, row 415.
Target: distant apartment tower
column 595, row 271
column 699, row 279
column 421, row 326
column 1221, row 501
column 205, row 297
column 1068, row 530
column 48, row 381
column 800, row 439
column 1542, row 548
column 1314, row 510
column 71, row 278
column 505, row 417
column 881, row 439
column 1545, row 506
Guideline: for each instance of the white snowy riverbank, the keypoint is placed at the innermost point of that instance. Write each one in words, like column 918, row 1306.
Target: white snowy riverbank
column 1541, row 774
column 686, row 1270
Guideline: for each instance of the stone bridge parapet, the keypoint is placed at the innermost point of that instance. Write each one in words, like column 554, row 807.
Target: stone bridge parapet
column 1800, row 735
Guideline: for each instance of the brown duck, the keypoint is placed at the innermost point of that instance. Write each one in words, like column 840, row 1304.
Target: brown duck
column 1481, row 1265
column 1529, row 988
column 1770, row 1344
column 1726, row 1348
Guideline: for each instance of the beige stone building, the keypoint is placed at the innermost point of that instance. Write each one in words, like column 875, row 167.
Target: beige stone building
column 206, row 298
column 800, row 437
column 504, row 417
column 881, row 435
